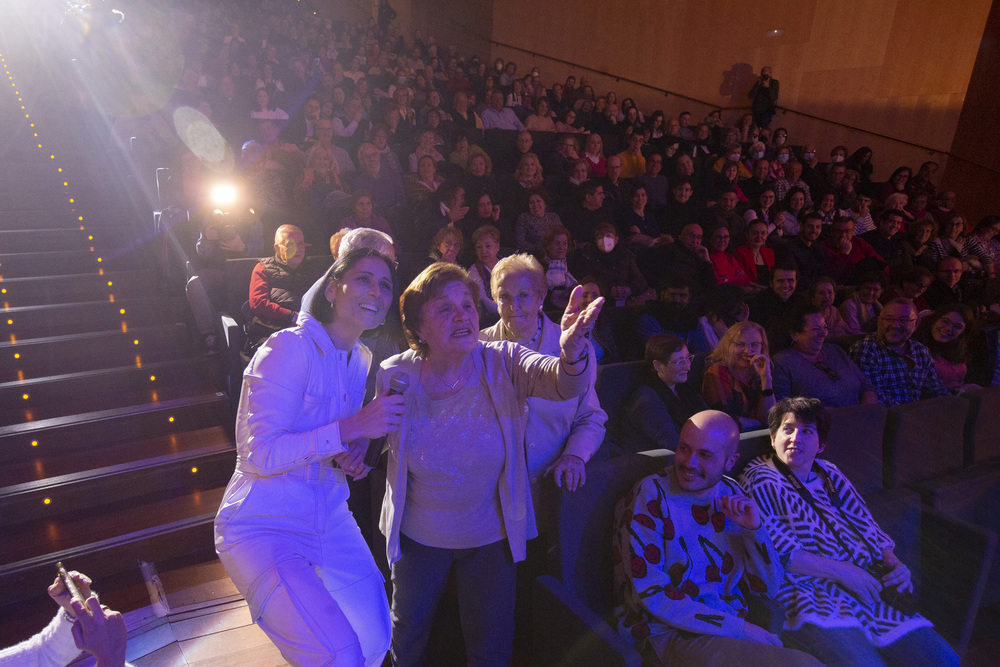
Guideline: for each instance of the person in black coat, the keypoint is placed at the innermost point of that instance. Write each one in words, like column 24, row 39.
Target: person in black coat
column 656, row 410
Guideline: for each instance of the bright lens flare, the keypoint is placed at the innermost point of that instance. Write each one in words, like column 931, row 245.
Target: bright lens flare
column 223, row 195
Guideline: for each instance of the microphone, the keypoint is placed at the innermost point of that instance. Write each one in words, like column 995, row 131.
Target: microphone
column 398, row 384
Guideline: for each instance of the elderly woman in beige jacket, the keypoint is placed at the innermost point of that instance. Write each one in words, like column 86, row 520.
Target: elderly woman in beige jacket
column 457, row 493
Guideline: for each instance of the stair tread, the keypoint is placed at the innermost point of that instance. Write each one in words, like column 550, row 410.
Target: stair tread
column 45, row 467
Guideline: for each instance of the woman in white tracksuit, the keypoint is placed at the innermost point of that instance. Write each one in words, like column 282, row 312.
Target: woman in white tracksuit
column 284, row 532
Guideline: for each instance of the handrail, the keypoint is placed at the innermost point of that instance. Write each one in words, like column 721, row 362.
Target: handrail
column 804, row 114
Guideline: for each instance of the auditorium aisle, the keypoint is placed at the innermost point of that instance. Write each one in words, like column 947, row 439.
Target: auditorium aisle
column 115, row 443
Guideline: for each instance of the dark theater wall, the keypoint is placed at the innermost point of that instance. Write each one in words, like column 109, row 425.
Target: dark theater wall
column 977, row 139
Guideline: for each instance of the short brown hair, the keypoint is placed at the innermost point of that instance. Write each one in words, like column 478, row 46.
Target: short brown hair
column 660, row 347
column 428, row 286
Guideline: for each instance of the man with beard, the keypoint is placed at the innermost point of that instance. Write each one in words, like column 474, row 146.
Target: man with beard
column 671, row 313
column 689, row 545
column 804, row 250
column 770, row 308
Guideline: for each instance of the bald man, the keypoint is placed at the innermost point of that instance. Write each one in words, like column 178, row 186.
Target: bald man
column 277, row 285
column 690, row 546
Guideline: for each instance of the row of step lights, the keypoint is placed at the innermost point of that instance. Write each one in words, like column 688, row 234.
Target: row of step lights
column 111, row 297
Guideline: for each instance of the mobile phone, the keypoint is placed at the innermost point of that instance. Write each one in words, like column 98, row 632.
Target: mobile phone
column 70, row 584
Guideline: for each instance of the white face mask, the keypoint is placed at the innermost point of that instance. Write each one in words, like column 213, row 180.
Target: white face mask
column 809, row 156
column 837, row 158
column 606, row 243
column 780, row 140
column 783, row 158
column 735, row 157
column 758, row 155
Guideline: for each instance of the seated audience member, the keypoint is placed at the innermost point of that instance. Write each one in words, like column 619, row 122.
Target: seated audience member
column 380, row 139
column 725, row 305
column 987, row 231
column 822, row 296
column 753, row 186
column 738, row 378
column 861, row 307
column 424, row 182
column 655, row 412
column 486, row 241
column 541, row 120
column 445, row 209
column 425, row 147
column 901, row 369
column 835, row 609
column 805, row 251
column 384, row 185
column 276, row 287
column 945, row 208
column 527, row 176
column 952, row 241
column 568, row 122
column 768, row 307
column 912, row 284
column 482, row 211
column 533, row 225
column 916, row 241
column 673, row 531
column 633, row 161
column 687, row 259
column 765, row 210
column 791, row 210
column 566, row 189
column 583, row 218
column 947, row 286
column 593, row 153
column 947, row 333
column 640, row 225
column 681, row 209
column 812, row 368
column 670, row 313
column 318, row 181
column 499, row 117
column 921, row 181
column 614, row 265
column 447, row 245
column 90, row 627
column 654, row 182
column 560, row 162
column 792, row 179
column 728, row 269
column 615, row 187
column 755, row 258
column 886, row 241
column 324, row 137
column 465, row 150
column 861, row 211
column 845, row 252
column 462, row 115
column 724, row 214
column 602, row 337
column 555, row 249
column 361, row 213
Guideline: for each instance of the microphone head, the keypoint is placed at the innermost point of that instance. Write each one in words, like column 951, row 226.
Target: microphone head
column 399, row 383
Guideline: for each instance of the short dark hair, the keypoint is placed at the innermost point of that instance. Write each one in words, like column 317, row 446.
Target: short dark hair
column 588, row 188
column 808, row 410
column 797, row 320
column 660, row 347
column 318, row 306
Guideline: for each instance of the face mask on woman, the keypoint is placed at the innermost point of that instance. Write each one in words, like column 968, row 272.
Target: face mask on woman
column 758, row 155
column 780, row 140
column 783, row 158
column 837, row 158
column 606, row 243
column 809, row 156
column 735, row 157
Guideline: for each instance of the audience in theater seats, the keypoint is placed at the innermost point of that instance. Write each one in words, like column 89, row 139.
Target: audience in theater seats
column 89, row 628
column 718, row 239
column 900, row 369
column 655, row 412
column 689, row 548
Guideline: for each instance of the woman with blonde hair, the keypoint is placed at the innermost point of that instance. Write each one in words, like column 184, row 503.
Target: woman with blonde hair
column 738, row 378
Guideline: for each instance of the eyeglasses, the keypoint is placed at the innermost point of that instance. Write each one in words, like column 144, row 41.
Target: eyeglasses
column 830, row 373
column 688, row 360
column 749, row 346
column 902, row 321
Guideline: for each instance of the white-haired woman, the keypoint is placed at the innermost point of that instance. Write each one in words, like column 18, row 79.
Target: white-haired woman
column 561, row 435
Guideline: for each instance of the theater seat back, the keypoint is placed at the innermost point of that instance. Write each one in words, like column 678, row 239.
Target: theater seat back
column 924, row 439
column 855, row 445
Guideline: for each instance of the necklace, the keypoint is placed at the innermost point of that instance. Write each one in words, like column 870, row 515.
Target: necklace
column 452, row 386
column 533, row 343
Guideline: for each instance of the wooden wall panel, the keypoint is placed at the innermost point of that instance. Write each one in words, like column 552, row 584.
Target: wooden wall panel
column 899, row 67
